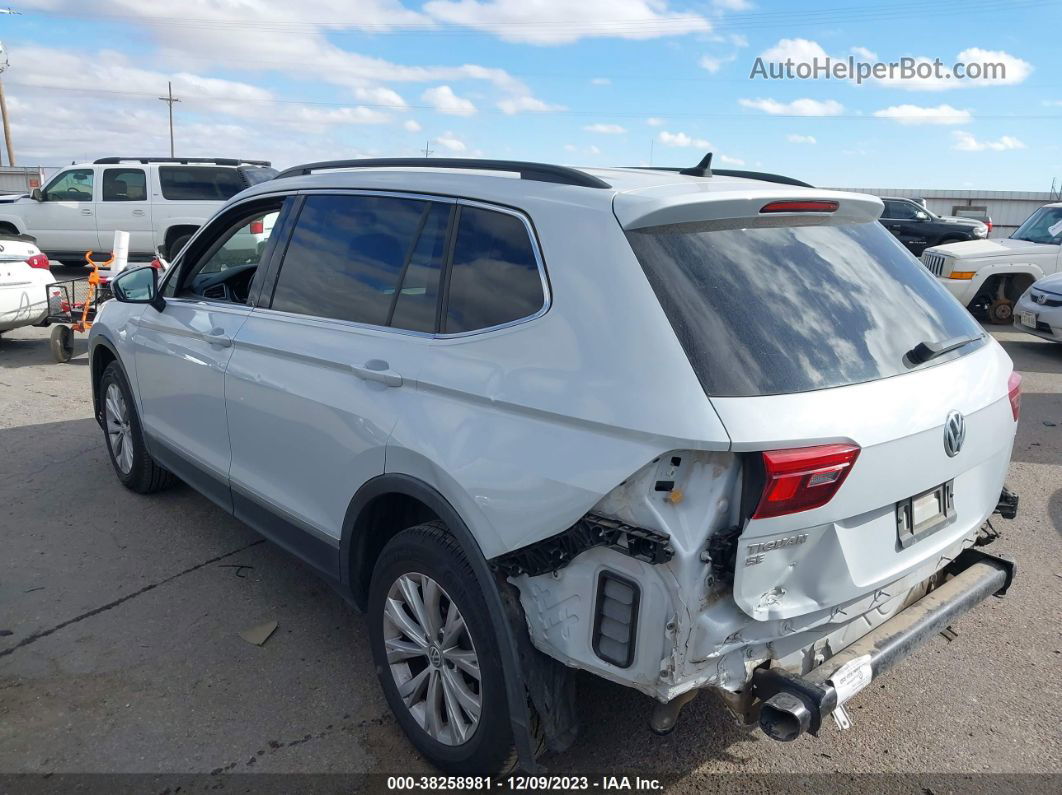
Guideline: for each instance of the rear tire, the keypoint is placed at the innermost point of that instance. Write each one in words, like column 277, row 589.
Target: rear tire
column 174, row 248
column 132, row 463
column 454, row 708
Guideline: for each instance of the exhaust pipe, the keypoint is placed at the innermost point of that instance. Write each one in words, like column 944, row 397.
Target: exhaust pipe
column 792, row 704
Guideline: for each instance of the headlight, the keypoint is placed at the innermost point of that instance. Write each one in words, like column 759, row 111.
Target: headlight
column 980, row 231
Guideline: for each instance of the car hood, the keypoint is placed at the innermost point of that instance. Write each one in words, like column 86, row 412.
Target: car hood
column 957, row 219
column 1050, row 284
column 1000, row 247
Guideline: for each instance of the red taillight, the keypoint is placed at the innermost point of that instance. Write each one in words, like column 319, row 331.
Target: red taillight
column 38, row 261
column 989, row 225
column 257, row 227
column 1014, row 393
column 803, row 478
column 800, row 207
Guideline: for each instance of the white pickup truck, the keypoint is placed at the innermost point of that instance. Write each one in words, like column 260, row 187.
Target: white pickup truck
column 988, row 276
column 160, row 201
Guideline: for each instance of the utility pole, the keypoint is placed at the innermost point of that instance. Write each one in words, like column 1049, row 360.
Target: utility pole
column 428, row 151
column 3, row 105
column 169, row 99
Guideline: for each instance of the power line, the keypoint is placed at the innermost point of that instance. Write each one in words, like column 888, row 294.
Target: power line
column 567, row 112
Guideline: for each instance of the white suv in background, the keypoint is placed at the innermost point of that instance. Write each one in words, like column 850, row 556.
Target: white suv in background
column 680, row 430
column 159, row 201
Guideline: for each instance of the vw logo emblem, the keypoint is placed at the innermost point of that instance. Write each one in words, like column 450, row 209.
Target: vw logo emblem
column 954, row 433
column 435, row 656
column 1040, row 298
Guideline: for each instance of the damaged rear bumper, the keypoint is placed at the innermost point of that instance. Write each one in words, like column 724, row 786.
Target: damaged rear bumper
column 792, row 704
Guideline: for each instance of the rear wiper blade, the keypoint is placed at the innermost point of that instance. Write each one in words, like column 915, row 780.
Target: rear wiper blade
column 925, row 351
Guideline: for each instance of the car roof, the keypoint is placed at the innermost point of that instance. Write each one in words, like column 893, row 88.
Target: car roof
column 639, row 196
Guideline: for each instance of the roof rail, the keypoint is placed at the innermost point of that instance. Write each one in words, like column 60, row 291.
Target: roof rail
column 761, row 176
column 218, row 161
column 539, row 172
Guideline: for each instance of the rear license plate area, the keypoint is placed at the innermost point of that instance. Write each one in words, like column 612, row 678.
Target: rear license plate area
column 925, row 513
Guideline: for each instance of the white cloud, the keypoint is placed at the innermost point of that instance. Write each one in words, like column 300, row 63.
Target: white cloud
column 378, row 95
column 794, row 138
column 569, row 147
column 563, row 22
column 713, row 64
column 731, row 161
column 681, row 139
column 739, row 40
column 796, row 50
column 526, row 103
column 798, row 107
column 593, row 150
column 600, row 81
column 732, row 5
column 916, row 114
column 444, row 100
column 451, row 142
column 1014, row 71
column 605, row 129
column 653, row 121
column 864, row 53
column 965, row 142
column 411, row 125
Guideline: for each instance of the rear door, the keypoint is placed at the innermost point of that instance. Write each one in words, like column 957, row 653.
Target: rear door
column 124, row 206
column 801, row 336
column 321, row 374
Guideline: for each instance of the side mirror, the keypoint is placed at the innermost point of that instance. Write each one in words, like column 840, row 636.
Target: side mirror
column 922, row 215
column 138, row 286
column 36, row 195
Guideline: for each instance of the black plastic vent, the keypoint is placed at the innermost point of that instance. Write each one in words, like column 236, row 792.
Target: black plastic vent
column 616, row 619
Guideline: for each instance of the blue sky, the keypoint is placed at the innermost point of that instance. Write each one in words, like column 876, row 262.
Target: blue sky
column 599, row 82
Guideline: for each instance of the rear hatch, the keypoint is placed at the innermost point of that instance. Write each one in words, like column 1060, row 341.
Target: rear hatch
column 802, row 326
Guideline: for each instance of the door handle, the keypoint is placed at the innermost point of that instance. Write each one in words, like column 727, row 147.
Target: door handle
column 379, row 371
column 86, row 212
column 138, row 212
column 218, row 337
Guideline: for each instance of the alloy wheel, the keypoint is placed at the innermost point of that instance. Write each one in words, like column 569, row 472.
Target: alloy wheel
column 119, row 436
column 432, row 659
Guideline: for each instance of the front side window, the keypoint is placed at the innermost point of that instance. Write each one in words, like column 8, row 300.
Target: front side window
column 199, row 183
column 70, row 186
column 494, row 276
column 124, row 185
column 777, row 310
column 348, row 253
column 1043, row 226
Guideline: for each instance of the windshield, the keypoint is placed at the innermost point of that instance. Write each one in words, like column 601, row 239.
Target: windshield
column 1043, row 226
column 776, row 310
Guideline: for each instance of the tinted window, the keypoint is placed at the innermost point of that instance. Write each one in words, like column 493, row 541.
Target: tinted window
column 763, row 311
column 124, row 185
column 346, row 255
column 253, row 175
column 71, row 186
column 416, row 302
column 494, row 278
column 199, row 183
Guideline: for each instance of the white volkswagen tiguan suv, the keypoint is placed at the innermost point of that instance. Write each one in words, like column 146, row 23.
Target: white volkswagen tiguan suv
column 681, row 430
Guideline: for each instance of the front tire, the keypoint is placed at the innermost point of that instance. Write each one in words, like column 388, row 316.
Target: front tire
column 437, row 655
column 176, row 245
column 132, row 463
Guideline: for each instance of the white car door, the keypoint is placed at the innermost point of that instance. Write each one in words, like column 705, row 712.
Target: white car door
column 64, row 220
column 321, row 375
column 182, row 352
column 124, row 206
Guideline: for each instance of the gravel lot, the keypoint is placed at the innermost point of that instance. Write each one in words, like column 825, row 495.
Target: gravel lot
column 120, row 618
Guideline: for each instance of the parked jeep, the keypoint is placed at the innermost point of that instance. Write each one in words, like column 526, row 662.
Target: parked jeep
column 918, row 228
column 159, row 201
column 988, row 276
column 683, row 431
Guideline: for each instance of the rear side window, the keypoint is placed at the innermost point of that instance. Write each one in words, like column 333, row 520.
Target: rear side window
column 199, row 183
column 124, row 185
column 777, row 310
column 348, row 253
column 416, row 302
column 494, row 276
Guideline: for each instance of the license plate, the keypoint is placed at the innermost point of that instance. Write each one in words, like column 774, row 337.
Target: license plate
column 1028, row 319
column 925, row 513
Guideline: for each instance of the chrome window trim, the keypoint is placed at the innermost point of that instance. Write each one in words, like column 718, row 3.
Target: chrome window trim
column 547, row 296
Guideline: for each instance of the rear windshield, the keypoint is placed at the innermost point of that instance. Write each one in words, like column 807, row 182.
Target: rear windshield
column 783, row 309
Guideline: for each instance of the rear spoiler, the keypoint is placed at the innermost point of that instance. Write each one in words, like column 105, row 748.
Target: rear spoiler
column 688, row 202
